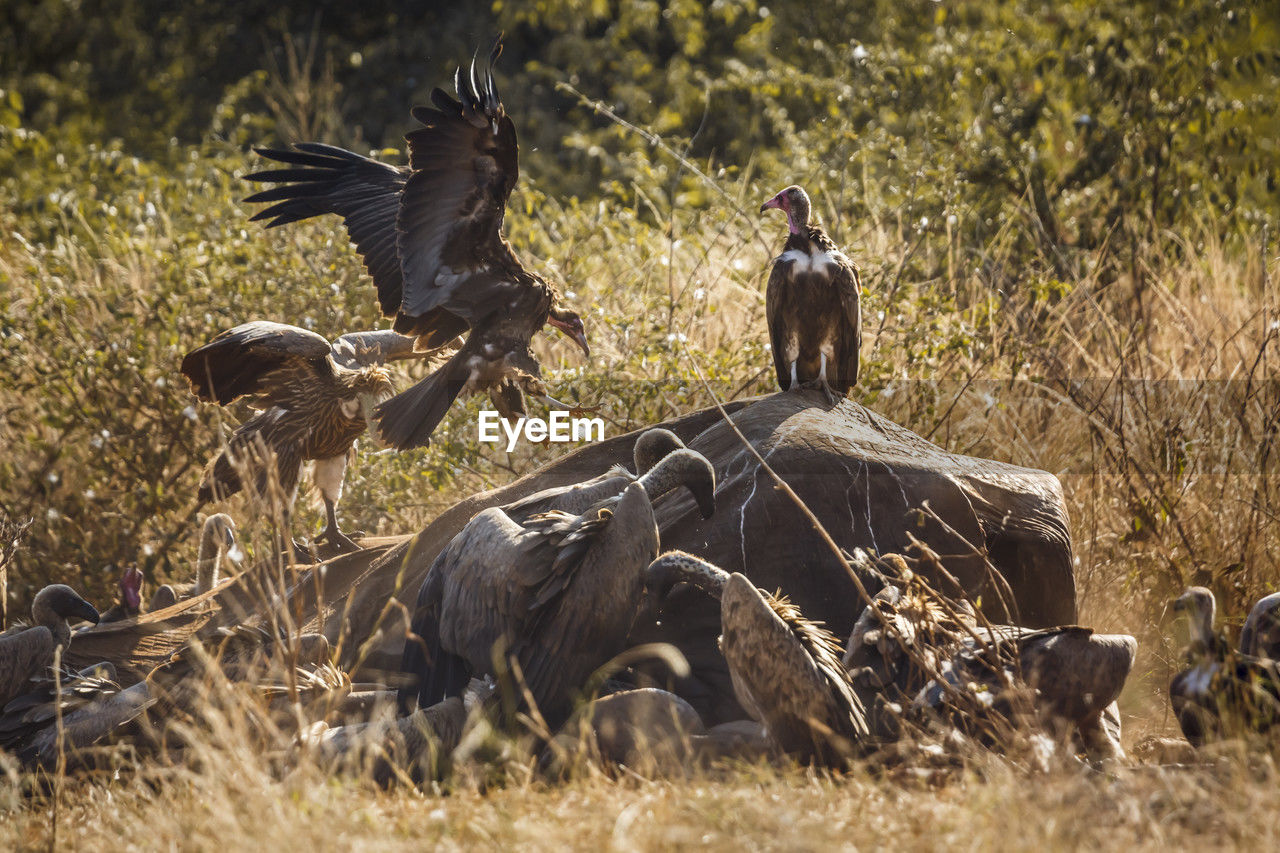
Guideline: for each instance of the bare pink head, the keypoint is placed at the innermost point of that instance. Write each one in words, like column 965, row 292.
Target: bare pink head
column 794, row 202
column 131, row 589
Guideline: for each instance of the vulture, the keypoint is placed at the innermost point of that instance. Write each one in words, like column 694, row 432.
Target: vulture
column 680, row 467
column 812, row 305
column 130, row 603
column 1221, row 692
column 217, row 542
column 311, row 398
column 26, row 652
column 1260, row 635
column 786, row 670
column 431, row 239
column 931, row 653
column 555, row 596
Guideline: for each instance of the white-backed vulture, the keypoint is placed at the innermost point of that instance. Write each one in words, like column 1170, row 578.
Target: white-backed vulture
column 217, row 543
column 25, row 652
column 1260, row 635
column 786, row 670
column 1222, row 692
column 554, row 597
column 431, row 237
column 311, row 408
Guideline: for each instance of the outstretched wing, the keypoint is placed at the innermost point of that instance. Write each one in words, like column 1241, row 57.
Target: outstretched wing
column 464, row 162
column 239, row 361
column 363, row 191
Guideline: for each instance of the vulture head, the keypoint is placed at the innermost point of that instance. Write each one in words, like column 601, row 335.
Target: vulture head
column 219, row 537
column 568, row 321
column 131, row 589
column 688, row 468
column 794, row 202
column 1198, row 603
column 653, row 446
column 56, row 605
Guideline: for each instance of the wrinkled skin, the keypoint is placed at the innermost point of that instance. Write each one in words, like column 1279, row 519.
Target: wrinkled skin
column 862, row 475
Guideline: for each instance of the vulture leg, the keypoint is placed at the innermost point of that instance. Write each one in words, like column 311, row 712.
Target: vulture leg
column 793, row 375
column 329, row 474
column 821, row 382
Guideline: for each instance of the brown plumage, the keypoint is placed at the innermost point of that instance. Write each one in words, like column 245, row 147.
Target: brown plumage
column 25, row 652
column 431, row 238
column 1222, row 692
column 786, row 670
column 812, row 304
column 933, row 653
column 311, row 408
column 557, row 596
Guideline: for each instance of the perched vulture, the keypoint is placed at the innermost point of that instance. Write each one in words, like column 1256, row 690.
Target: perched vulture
column 1260, row 635
column 680, row 467
column 1221, row 692
column 130, row 603
column 217, row 543
column 312, row 401
column 812, row 303
column 556, row 596
column 26, row 652
column 431, row 238
column 786, row 670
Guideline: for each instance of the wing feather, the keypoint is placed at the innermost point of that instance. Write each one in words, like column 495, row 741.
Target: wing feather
column 241, row 361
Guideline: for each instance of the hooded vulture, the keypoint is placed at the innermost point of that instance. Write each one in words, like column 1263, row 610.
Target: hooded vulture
column 311, row 399
column 130, row 603
column 786, row 670
column 431, row 238
column 555, row 597
column 812, row 304
column 25, row 652
column 217, row 543
column 1221, row 692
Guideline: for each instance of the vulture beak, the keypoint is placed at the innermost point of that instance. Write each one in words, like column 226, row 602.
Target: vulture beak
column 775, row 202
column 85, row 611
column 575, row 330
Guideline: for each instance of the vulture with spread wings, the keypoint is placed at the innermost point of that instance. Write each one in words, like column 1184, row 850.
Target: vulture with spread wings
column 431, row 238
column 311, row 399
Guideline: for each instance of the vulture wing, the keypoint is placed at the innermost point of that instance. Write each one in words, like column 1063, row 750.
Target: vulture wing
column 363, row 191
column 775, row 311
column 22, row 654
column 464, row 162
column 1260, row 635
column 849, row 284
column 239, row 361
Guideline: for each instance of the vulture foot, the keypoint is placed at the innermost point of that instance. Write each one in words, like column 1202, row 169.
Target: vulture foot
column 337, row 541
column 821, row 385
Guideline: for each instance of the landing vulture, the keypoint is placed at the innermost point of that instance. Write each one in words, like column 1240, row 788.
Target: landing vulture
column 311, row 400
column 25, row 652
column 812, row 304
column 556, row 596
column 786, row 670
column 431, row 238
column 217, row 543
column 1222, row 692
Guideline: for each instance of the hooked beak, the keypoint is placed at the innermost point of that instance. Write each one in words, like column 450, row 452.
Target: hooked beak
column 580, row 338
column 775, row 202
column 86, row 611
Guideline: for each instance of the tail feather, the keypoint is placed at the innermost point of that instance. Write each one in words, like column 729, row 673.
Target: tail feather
column 408, row 419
